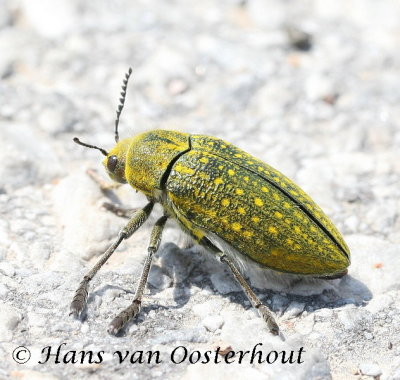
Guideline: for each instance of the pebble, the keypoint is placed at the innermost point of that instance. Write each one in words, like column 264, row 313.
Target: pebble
column 370, row 369
column 294, row 309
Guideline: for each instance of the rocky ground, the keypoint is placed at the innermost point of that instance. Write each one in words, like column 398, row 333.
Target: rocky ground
column 310, row 87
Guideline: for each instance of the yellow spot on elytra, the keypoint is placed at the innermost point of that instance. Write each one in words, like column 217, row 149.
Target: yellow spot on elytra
column 260, row 168
column 267, row 172
column 313, row 229
column 204, row 160
column 293, row 192
column 247, row 179
column 210, row 143
column 286, row 205
column 255, row 219
column 184, row 169
column 283, row 184
column 297, row 246
column 239, row 191
column 260, row 243
column 218, row 181
column 223, row 146
column 204, row 175
column 258, row 202
column 272, row 230
column 225, row 220
column 278, row 214
column 296, row 229
column 236, row 226
column 238, row 155
column 250, row 162
column 265, row 189
column 298, row 215
column 220, row 167
column 248, row 234
column 289, row 241
column 288, row 221
column 231, row 172
column 276, row 251
column 225, row 202
column 241, row 210
column 276, row 197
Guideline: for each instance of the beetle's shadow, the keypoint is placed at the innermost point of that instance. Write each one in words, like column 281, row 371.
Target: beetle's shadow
column 190, row 267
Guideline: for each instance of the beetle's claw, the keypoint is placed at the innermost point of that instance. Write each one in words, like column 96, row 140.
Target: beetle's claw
column 76, row 308
column 269, row 319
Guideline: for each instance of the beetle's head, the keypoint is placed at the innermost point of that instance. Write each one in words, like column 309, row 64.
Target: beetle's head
column 115, row 159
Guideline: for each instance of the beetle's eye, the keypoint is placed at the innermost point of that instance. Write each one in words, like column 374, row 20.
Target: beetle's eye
column 112, row 163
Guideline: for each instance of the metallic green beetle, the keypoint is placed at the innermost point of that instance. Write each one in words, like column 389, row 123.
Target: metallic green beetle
column 228, row 201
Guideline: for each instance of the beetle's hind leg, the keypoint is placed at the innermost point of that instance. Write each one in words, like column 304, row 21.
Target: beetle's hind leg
column 264, row 312
column 81, row 294
column 120, row 321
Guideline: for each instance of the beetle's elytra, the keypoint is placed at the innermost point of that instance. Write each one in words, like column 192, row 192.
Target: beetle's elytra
column 223, row 197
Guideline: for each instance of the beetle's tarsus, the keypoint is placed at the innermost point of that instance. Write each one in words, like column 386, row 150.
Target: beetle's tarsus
column 269, row 319
column 79, row 301
column 121, row 320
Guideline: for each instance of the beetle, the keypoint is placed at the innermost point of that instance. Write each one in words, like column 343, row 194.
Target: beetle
column 228, row 201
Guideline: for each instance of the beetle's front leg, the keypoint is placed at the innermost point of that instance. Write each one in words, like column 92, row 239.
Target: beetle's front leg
column 264, row 312
column 107, row 186
column 81, row 294
column 104, row 186
column 120, row 321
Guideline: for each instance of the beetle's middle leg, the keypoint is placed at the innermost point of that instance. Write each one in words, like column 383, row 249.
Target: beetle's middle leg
column 264, row 312
column 120, row 321
column 81, row 294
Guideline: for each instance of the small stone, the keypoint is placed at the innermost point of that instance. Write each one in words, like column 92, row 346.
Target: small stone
column 212, row 322
column 298, row 38
column 368, row 335
column 294, row 309
column 224, row 347
column 370, row 369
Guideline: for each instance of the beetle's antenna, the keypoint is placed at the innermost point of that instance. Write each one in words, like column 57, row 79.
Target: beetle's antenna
column 121, row 102
column 90, row 146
